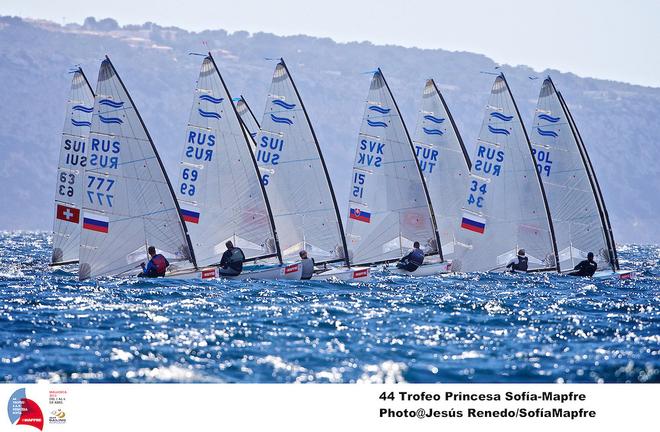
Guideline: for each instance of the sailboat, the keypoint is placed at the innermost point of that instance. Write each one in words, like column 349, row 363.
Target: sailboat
column 579, row 216
column 248, row 119
column 70, row 171
column 297, row 182
column 220, row 192
column 444, row 162
column 504, row 207
column 128, row 201
column 389, row 203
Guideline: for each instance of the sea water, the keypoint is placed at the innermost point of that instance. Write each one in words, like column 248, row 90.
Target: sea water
column 458, row 328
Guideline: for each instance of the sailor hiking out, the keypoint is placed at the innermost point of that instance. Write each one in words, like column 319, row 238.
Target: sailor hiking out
column 157, row 265
column 586, row 268
column 231, row 263
column 307, row 265
column 413, row 260
column 519, row 263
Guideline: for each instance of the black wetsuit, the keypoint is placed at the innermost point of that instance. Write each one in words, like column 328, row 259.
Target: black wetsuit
column 412, row 261
column 585, row 268
column 232, row 262
column 521, row 265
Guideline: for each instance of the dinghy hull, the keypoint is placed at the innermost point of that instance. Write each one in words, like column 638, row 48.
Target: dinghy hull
column 345, row 274
column 424, row 270
column 290, row 272
column 618, row 274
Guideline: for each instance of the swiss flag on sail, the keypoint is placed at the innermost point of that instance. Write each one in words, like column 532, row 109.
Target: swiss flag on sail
column 68, row 214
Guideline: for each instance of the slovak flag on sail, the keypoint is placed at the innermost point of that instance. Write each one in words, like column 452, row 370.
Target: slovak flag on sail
column 96, row 222
column 68, row 214
column 360, row 215
column 188, row 215
column 473, row 223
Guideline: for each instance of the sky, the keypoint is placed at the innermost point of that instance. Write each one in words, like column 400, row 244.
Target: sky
column 608, row 39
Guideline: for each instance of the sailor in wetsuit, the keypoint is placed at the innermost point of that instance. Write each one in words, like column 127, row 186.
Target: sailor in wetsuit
column 586, row 268
column 156, row 266
column 231, row 263
column 519, row 263
column 307, row 265
column 413, row 260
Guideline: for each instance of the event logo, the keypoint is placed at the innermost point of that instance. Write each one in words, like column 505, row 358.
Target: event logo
column 57, row 417
column 24, row 411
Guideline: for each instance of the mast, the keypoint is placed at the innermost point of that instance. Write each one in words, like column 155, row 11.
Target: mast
column 593, row 181
column 325, row 169
column 250, row 110
column 160, row 164
column 86, row 80
column 538, row 178
column 254, row 163
column 453, row 125
column 419, row 170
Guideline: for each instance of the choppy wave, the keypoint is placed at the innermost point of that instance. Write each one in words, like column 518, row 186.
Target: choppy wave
column 459, row 328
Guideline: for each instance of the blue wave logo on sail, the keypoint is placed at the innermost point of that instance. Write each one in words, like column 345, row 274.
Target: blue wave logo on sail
column 281, row 103
column 376, row 123
column 211, row 99
column 111, row 120
column 284, row 120
column 380, row 110
column 433, row 119
column 549, row 118
column 253, row 134
column 83, row 108
column 501, row 116
column 111, row 103
column 209, row 114
column 80, row 123
column 498, row 131
column 429, row 131
column 547, row 133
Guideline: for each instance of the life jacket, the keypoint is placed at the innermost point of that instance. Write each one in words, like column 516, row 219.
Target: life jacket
column 307, row 268
column 588, row 269
column 160, row 265
column 236, row 259
column 416, row 257
column 521, row 265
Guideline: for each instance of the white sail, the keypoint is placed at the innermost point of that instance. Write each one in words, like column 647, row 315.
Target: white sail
column 504, row 208
column 70, row 171
column 389, row 207
column 295, row 176
column 128, row 202
column 248, row 118
column 578, row 220
column 219, row 191
column 444, row 163
column 609, row 233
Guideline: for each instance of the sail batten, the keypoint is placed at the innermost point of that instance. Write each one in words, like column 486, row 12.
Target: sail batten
column 295, row 176
column 70, row 172
column 504, row 207
column 129, row 203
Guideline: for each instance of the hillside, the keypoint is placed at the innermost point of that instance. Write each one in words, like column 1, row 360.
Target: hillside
column 618, row 121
